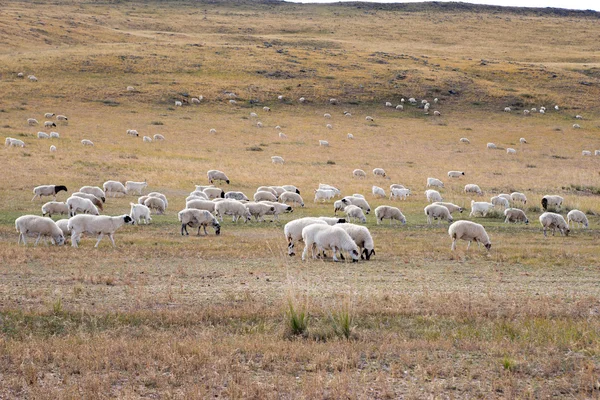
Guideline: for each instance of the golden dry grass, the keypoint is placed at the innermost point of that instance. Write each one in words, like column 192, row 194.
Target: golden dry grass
column 186, row 317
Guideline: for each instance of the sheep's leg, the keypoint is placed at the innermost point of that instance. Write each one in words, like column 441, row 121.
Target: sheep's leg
column 38, row 239
column 112, row 239
column 453, row 247
column 334, row 257
column 305, row 251
column 291, row 248
column 468, row 245
column 74, row 239
column 545, row 232
column 100, row 236
column 205, row 232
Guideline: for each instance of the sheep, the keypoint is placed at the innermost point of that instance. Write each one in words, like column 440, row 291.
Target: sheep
column 63, row 226
column 330, row 187
column 267, row 109
column 95, row 200
column 350, row 136
column 259, row 124
column 473, row 188
column 48, row 190
column 54, row 135
column 576, row 126
column 551, row 200
column 132, row 132
column 438, row 212
column 147, row 139
column 359, row 173
column 132, row 187
column 79, row 204
column 369, row 118
column 338, row 206
column 130, row 88
column 192, row 196
column 52, row 148
column 323, row 143
column 510, row 150
column 465, row 140
column 43, row 135
column 378, row 192
column 96, row 225
column 333, row 101
column 388, row 104
column 354, row 212
column 234, row 208
column 597, row 153
column 412, row 100
column 178, row 103
column 197, row 218
column 455, row 174
column 506, row 109
column 437, row 113
column 138, row 212
column 259, row 210
column 95, row 190
column 282, row 135
column 264, row 195
column 515, row 215
column 526, row 112
column 469, row 231
column 32, row 78
column 114, row 188
column 324, row 194
column 160, row 196
column 213, row 192
column 399, row 107
column 480, row 207
column 523, row 141
column 401, row 193
column 586, row 153
column 195, row 100
column 55, row 207
column 32, row 121
column 212, row 131
column 280, row 98
column 347, row 114
column 215, row 175
column 327, row 115
column 236, row 196
column 279, row 190
column 159, row 137
column 396, row 186
column 277, row 160
column 363, row 239
column 31, row 225
column 357, row 201
column 61, row 118
column 491, row 146
column 12, row 142
column 550, row 220
column 433, row 195
column 49, row 124
column 21, row 75
column 293, row 230
column 518, row 197
column 391, row 213
column 290, row 197
column 202, row 187
column 358, row 195
column 200, row 204
column 87, row 142
column 155, row 203
column 291, row 188
column 325, row 237
column 505, row 196
column 434, row 182
column 379, row 172
column 578, row 217
column 278, row 209
column 451, row 207
column 500, row 201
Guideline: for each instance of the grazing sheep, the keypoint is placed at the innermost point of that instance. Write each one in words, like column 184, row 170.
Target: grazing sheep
column 505, row 196
column 500, row 201
column 363, row 239
column 522, row 141
column 550, row 220
column 401, row 193
column 359, row 173
column 515, row 215
column 132, row 132
column 506, row 109
column 333, row 101
column 259, row 210
column 465, row 140
column 232, row 102
column 276, row 160
column 388, row 212
column 87, row 142
column 327, row 115
column 369, row 118
column 147, row 139
column 578, row 217
column 510, row 150
column 96, row 225
column 354, row 212
column 400, row 107
column 114, row 189
column 55, row 207
column 268, row 189
column 200, row 204
column 388, row 104
column 597, row 153
column 437, row 113
column 396, row 186
column 54, row 135
column 455, row 174
column 469, row 231
column 338, row 206
column 48, row 190
column 132, row 187
column 264, row 196
column 526, row 112
column 95, row 200
column 323, row 143
column 63, row 226
column 282, row 135
column 61, row 118
column 438, row 212
column 216, row 175
column 576, row 126
column 195, row 100
column 578, row 116
column 130, row 88
column 301, row 99
column 160, row 196
column 551, row 200
column 49, row 124
column 378, row 192
column 212, row 131
column 32, row 78
column 324, row 194
column 379, row 172
column 278, row 209
column 291, row 197
column 234, row 208
column 357, row 201
column 236, row 196
column 267, row 109
column 159, row 137
column 259, row 124
column 12, row 142
column 43, row 135
column 583, row 153
column 330, row 187
column 253, row 115
column 178, row 103
column 191, row 197
column 518, row 197
column 32, row 225
column 79, row 204
column 451, row 207
column 473, row 188
column 480, row 207
column 32, row 121
column 279, row 190
column 214, row 193
column 293, row 230
column 21, row 75
column 434, row 182
column 291, row 188
column 350, row 136
column 138, row 212
column 197, row 218
column 155, row 203
column 491, row 146
column 433, row 195
column 95, row 190
column 52, row 148
column 324, row 237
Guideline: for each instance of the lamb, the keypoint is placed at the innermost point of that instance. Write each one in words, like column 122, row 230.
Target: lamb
column 515, row 215
column 357, row 201
column 32, row 121
column 277, row 160
column 480, row 207
column 155, row 203
column 550, row 220
column 293, row 230
column 469, row 231
column 362, row 237
column 79, row 204
column 43, row 135
column 359, row 173
column 132, row 132
column 491, row 146
column 215, row 175
column 434, row 182
column 433, row 195
column 213, row 192
column 378, row 192
column 95, row 200
column 114, row 189
column 197, row 218
column 472, row 188
column 290, row 197
column 451, row 207
column 55, row 207
column 12, row 142
column 278, row 209
column 138, row 212
column 259, row 210
column 500, row 201
column 147, row 139
column 438, row 212
column 401, row 193
column 200, row 204
column 236, row 196
column 49, row 124
column 388, row 212
column 578, row 217
column 510, row 150
column 52, row 148
column 234, row 208
column 87, row 142
column 48, row 190
column 54, row 135
column 551, row 200
column 324, row 194
column 132, row 187
column 160, row 196
column 379, row 172
column 518, row 197
column 465, row 140
column 328, row 238
column 323, row 143
column 354, row 212
column 31, row 225
column 264, row 196
column 95, row 190
column 96, row 225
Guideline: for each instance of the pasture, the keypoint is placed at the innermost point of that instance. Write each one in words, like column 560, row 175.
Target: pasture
column 166, row 316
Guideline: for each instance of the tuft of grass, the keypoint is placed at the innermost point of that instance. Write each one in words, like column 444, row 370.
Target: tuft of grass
column 330, row 162
column 156, row 123
column 296, row 318
column 508, row 364
column 254, row 148
column 342, row 322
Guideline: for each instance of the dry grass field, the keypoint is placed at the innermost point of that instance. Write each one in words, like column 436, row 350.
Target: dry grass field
column 166, row 316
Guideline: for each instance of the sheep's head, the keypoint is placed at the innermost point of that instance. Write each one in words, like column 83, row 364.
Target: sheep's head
column 128, row 220
column 354, row 254
column 366, row 254
column 488, row 246
column 217, row 227
column 227, row 181
column 59, row 188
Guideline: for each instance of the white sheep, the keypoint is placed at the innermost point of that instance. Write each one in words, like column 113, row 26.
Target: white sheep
column 259, row 124
column 324, row 194
column 518, row 197
column 359, row 173
column 279, row 190
column 147, row 139
column 234, row 208
column 515, row 215
column 55, row 207
column 79, row 204
column 473, row 188
column 399, row 107
column 469, row 231
column 52, row 148
column 401, row 193
column 95, row 190
column 491, row 146
column 253, row 115
column 354, row 212
column 523, row 141
column 32, row 78
column 324, row 237
column 130, row 88
column 330, row 187
column 195, row 100
column 396, row 186
column 378, row 192
column 291, row 188
column 178, row 103
column 87, row 142
column 301, row 99
column 63, row 226
column 291, row 197
column 200, row 204
column 450, row 206
column 95, row 200
column 391, row 213
column 586, row 153
column 32, row 121
column 369, row 118
column 455, row 174
column 214, row 193
column 212, row 131
column 577, row 216
column 160, row 196
column 433, row 182
column 437, row 211
column 216, row 175
column 132, row 132
column 278, row 209
column 437, row 113
column 159, row 137
column 551, row 200
column 268, row 189
column 155, row 203
column 21, row 75
column 96, row 225
column 480, row 207
column 500, row 201
column 465, row 140
column 323, row 143
column 49, row 124
column 62, row 118
column 550, row 220
column 350, row 136
column 576, row 126
column 388, row 104
column 43, row 135
column 49, row 115
column 282, row 135
column 293, row 230
column 510, row 150
column 236, row 196
column 114, row 189
column 597, row 152
column 578, row 116
column 138, row 212
column 48, row 190
column 12, row 142
column 264, row 196
column 197, row 218
column 333, row 101
column 34, row 225
column 506, row 109
column 362, row 237
column 338, row 206
column 259, row 210
column 54, row 135
column 277, row 160
column 132, row 187
column 379, row 172
column 327, row 115
column 357, row 201
column 267, row 109
column 433, row 195
column 505, row 196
